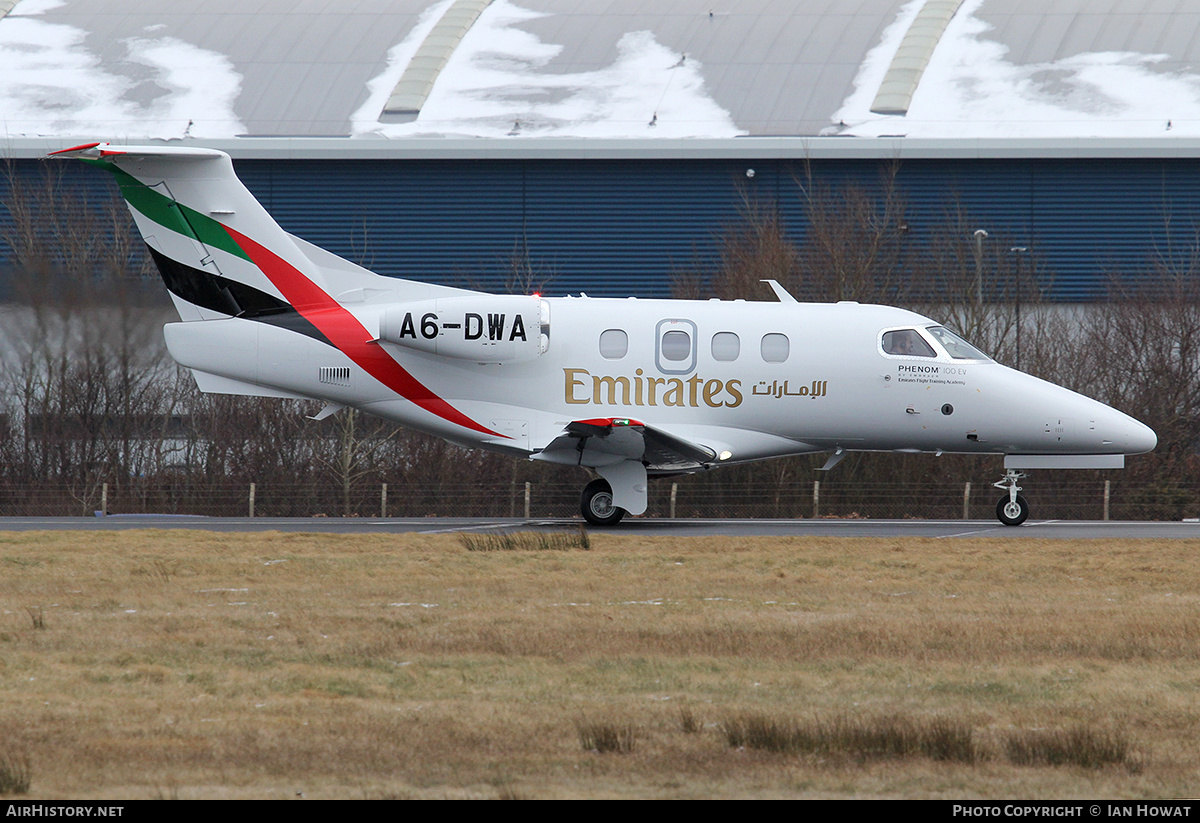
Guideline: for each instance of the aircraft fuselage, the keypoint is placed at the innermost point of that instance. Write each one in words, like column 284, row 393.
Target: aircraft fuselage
column 750, row 379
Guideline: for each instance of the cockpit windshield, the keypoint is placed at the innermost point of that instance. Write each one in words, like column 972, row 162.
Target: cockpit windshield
column 954, row 345
column 908, row 343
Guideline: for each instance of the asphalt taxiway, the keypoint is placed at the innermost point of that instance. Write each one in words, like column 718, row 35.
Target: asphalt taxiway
column 1041, row 529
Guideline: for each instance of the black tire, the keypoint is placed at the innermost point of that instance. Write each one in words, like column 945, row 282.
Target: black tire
column 597, row 504
column 1011, row 515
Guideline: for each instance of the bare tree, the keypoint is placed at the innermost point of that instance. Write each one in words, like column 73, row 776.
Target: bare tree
column 990, row 289
column 857, row 242
column 1143, row 356
column 524, row 275
column 756, row 247
column 351, row 451
column 62, row 225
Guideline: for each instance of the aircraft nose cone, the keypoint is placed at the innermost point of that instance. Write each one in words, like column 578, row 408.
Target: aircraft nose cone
column 1128, row 435
column 1121, row 433
column 1141, row 438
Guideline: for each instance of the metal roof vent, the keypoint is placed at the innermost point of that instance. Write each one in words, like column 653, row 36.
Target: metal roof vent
column 430, row 58
column 904, row 74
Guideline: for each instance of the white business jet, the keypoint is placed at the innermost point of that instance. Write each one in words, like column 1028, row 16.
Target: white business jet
column 630, row 389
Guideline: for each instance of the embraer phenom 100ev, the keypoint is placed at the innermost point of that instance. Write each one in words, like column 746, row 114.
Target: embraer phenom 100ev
column 630, row 389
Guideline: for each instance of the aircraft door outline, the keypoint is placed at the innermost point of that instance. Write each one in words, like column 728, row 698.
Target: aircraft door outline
column 672, row 355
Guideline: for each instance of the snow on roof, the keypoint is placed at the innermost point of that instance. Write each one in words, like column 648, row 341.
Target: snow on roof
column 221, row 69
column 1053, row 69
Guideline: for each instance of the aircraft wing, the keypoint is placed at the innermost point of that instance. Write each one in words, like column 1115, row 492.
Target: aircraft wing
column 608, row 439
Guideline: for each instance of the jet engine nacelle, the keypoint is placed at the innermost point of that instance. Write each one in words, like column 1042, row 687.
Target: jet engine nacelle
column 482, row 328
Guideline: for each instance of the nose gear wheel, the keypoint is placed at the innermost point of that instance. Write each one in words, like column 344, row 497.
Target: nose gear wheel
column 1012, row 510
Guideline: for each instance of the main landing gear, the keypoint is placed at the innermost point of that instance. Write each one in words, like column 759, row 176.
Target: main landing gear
column 1012, row 510
column 597, row 504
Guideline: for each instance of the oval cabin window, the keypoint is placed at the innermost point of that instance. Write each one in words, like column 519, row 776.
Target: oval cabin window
column 775, row 348
column 726, row 346
column 614, row 344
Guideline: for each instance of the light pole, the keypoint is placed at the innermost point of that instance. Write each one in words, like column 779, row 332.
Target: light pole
column 980, row 236
column 1019, row 251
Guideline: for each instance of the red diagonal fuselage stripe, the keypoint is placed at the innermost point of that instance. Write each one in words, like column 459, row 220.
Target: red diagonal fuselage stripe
column 344, row 331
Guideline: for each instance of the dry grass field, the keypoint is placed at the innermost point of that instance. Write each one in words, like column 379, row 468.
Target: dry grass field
column 200, row 665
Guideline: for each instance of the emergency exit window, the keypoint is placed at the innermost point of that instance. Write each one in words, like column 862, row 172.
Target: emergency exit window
column 675, row 350
column 676, row 346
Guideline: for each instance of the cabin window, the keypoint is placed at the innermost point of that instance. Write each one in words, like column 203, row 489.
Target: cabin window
column 614, row 344
column 726, row 346
column 906, row 343
column 676, row 346
column 775, row 348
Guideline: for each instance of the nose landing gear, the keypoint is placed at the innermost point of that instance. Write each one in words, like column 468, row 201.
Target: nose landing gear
column 1012, row 510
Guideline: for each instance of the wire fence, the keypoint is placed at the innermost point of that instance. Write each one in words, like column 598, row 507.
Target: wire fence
column 1090, row 499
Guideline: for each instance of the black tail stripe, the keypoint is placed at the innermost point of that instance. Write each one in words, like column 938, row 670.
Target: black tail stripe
column 220, row 294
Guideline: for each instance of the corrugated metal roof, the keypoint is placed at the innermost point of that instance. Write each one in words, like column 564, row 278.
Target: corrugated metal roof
column 599, row 68
column 302, row 66
column 1040, row 32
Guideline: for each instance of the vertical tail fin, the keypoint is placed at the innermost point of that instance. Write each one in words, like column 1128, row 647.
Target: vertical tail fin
column 221, row 256
column 219, row 252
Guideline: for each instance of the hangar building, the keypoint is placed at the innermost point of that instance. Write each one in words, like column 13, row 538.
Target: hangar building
column 607, row 142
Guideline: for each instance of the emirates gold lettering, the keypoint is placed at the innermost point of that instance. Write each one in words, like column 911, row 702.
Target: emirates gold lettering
column 581, row 387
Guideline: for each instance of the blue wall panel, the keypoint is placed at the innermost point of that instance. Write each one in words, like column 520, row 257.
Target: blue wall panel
column 624, row 227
